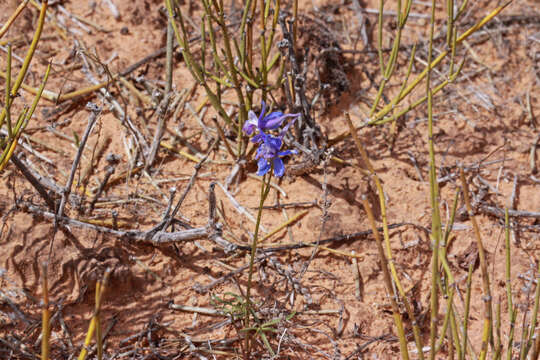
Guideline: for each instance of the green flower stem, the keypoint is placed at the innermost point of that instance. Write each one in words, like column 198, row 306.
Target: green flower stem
column 265, row 189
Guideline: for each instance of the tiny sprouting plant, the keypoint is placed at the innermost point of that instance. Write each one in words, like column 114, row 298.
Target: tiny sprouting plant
column 268, row 327
column 231, row 304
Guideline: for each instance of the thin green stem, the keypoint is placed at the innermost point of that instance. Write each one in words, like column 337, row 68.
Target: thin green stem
column 29, row 56
column 449, row 22
column 194, row 68
column 508, row 263
column 447, row 317
column 510, row 344
column 380, row 36
column 243, row 39
column 530, row 340
column 265, row 189
column 22, row 121
column 434, row 191
column 8, row 94
column 455, row 333
column 232, row 73
column 388, row 69
column 498, row 344
column 466, row 313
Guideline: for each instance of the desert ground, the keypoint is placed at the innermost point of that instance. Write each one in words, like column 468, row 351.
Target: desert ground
column 318, row 282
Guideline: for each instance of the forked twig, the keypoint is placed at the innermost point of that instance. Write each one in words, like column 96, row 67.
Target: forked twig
column 95, row 111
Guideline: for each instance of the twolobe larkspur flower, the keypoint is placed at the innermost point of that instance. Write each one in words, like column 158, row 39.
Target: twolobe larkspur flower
column 268, row 152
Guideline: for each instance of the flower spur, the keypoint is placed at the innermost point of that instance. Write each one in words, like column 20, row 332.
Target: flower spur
column 262, row 123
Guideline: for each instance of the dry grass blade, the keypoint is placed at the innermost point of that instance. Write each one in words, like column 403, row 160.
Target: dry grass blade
column 388, row 282
column 388, row 256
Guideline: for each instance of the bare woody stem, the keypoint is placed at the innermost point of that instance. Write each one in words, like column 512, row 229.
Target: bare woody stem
column 67, row 189
column 33, row 180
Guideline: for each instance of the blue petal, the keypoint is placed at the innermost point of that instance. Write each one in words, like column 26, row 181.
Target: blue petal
column 279, row 168
column 259, row 152
column 266, row 152
column 272, row 142
column 258, row 138
column 287, row 152
column 263, row 166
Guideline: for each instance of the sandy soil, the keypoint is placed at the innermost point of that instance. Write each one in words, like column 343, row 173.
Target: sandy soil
column 485, row 121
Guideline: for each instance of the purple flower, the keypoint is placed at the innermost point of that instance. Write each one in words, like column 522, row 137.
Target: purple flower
column 268, row 154
column 269, row 122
